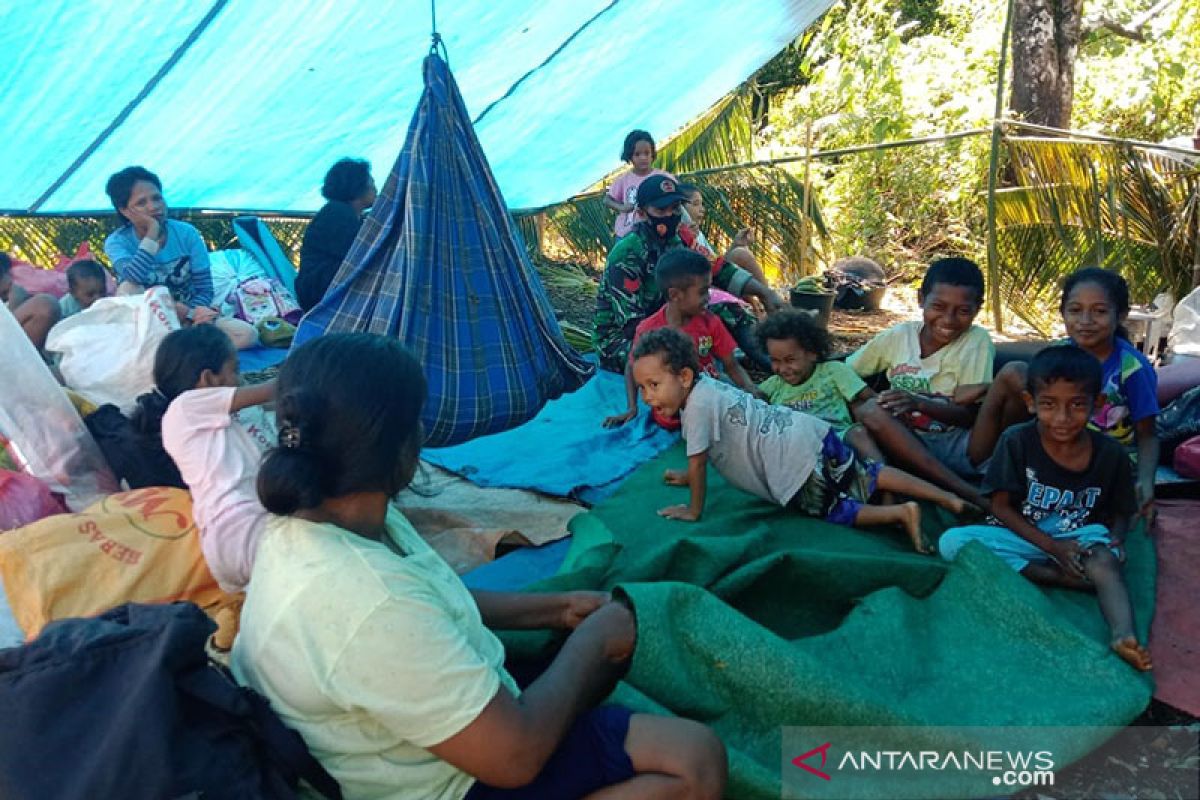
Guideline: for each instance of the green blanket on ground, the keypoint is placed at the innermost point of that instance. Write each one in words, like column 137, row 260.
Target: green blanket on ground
column 757, row 618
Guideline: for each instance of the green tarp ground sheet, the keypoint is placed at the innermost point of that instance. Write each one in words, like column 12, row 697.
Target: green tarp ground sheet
column 756, row 618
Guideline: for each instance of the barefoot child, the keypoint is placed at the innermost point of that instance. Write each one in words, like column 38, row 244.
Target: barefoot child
column 196, row 371
column 924, row 421
column 1062, row 495
column 805, row 380
column 685, row 276
column 638, row 152
column 773, row 452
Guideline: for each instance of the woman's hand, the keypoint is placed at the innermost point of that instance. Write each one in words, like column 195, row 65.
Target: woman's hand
column 203, row 314
column 145, row 225
column 615, row 626
column 578, row 606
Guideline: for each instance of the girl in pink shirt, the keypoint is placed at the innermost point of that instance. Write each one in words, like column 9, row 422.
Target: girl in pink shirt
column 639, row 153
column 217, row 451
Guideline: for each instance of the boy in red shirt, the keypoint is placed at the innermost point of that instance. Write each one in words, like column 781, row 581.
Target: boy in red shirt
column 685, row 276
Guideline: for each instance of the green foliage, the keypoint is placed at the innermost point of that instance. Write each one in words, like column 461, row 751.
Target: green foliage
column 1147, row 90
column 1078, row 204
column 881, row 72
column 721, row 136
column 43, row 240
column 766, row 198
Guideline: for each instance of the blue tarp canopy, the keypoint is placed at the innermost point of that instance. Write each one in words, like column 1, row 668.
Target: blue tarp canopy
column 243, row 104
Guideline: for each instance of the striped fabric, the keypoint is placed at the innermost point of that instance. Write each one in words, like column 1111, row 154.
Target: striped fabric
column 439, row 264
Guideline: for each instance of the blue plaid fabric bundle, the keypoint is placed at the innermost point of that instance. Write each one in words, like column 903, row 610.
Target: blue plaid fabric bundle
column 439, row 264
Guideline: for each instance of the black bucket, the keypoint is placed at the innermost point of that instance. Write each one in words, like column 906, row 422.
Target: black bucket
column 820, row 304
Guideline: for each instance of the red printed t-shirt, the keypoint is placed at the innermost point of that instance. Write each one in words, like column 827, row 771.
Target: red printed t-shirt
column 712, row 340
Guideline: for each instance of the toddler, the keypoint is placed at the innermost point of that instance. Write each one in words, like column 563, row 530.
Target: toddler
column 783, row 456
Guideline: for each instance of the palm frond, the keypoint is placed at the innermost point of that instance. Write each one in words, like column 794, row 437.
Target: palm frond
column 721, row 136
column 1078, row 204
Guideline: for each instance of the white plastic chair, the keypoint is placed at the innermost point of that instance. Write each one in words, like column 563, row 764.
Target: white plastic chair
column 1148, row 325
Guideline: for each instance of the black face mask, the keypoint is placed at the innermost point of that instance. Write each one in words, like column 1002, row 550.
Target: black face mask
column 665, row 227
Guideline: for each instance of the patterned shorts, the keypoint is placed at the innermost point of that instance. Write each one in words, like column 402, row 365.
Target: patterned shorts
column 840, row 484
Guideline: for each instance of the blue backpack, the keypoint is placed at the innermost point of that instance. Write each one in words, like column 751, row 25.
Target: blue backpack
column 128, row 705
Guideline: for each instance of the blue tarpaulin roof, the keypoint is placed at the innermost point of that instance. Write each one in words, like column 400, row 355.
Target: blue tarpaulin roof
column 243, row 104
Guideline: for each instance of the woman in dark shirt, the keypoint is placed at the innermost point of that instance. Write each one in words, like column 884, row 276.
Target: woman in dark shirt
column 350, row 190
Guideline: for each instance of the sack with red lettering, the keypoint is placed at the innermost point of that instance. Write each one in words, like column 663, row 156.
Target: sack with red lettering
column 108, row 350
column 132, row 547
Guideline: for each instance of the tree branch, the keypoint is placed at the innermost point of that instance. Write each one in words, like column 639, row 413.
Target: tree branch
column 1135, row 29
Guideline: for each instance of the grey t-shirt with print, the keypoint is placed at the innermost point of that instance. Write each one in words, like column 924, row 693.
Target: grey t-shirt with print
column 766, row 450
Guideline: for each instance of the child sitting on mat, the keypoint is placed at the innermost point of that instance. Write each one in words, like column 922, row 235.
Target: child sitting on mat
column 686, row 276
column 196, row 374
column 1062, row 495
column 780, row 455
column 806, row 380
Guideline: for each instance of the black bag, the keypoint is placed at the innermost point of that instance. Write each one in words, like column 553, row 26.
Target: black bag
column 138, row 460
column 128, row 705
column 1178, row 422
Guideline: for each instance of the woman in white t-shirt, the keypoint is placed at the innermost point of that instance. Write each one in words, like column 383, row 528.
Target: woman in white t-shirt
column 367, row 643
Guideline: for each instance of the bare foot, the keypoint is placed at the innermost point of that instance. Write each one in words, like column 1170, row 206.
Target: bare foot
column 911, row 520
column 1133, row 653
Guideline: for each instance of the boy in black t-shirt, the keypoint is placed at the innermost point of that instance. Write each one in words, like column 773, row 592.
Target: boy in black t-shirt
column 1062, row 495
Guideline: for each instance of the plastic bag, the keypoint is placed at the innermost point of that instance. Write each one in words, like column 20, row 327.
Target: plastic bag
column 108, row 350
column 24, row 499
column 1184, row 338
column 45, row 436
column 259, row 299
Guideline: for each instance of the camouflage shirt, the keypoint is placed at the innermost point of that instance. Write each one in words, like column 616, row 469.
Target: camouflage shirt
column 629, row 293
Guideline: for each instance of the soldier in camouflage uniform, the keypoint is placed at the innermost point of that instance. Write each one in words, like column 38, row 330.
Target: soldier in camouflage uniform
column 629, row 293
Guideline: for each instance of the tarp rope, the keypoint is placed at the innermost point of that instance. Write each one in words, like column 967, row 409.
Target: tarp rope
column 546, row 61
column 119, row 120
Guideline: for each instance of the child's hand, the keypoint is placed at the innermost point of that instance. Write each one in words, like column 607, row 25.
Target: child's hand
column 898, row 402
column 744, row 238
column 1145, row 502
column 678, row 512
column 617, row 420
column 1069, row 556
column 675, row 477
